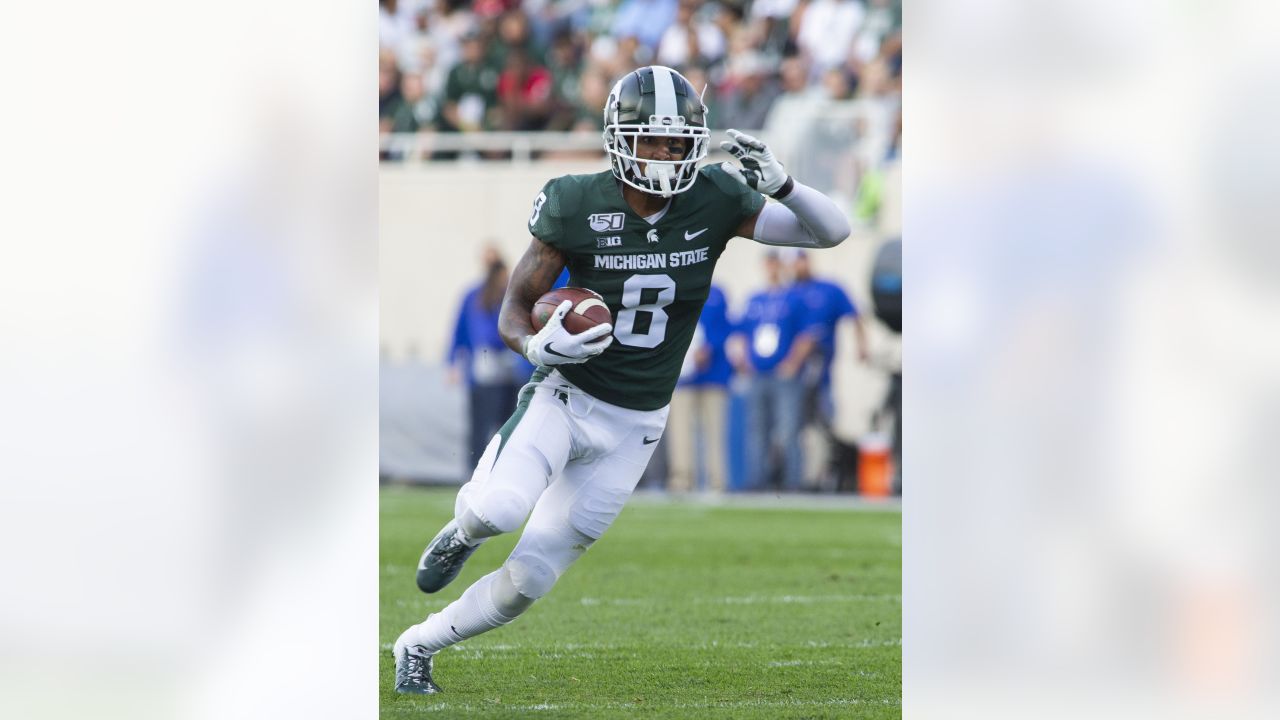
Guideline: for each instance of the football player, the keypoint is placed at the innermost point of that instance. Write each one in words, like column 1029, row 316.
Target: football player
column 646, row 235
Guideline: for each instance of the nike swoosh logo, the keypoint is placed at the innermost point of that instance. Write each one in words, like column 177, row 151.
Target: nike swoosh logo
column 689, row 236
column 557, row 354
column 647, row 441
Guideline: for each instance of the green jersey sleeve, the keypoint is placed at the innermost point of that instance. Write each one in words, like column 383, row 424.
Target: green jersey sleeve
column 747, row 201
column 558, row 199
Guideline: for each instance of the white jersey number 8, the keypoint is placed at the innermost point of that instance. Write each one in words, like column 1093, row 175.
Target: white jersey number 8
column 537, row 208
column 625, row 327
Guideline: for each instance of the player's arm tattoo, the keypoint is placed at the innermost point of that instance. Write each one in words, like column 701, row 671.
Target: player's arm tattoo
column 532, row 277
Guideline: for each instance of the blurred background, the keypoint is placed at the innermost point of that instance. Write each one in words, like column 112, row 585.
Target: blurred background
column 189, row 521
column 480, row 103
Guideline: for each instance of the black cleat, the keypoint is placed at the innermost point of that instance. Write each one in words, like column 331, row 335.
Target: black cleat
column 443, row 559
column 413, row 670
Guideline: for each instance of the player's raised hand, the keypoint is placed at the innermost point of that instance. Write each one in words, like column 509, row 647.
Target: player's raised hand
column 760, row 170
column 555, row 345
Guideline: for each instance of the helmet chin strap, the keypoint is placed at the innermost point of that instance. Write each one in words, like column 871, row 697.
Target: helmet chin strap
column 662, row 174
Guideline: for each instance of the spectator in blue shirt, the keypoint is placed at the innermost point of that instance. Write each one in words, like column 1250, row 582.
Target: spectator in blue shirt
column 493, row 372
column 778, row 341
column 699, row 404
column 825, row 304
column 644, row 20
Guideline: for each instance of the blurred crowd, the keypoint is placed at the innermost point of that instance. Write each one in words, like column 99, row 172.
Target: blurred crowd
column 484, row 65
column 756, row 389
column 766, row 367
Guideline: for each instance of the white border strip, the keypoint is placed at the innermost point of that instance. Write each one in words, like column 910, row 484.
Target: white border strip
column 664, row 90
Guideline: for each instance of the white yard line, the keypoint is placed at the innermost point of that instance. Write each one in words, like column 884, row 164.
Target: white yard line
column 760, row 501
column 591, row 649
column 709, row 705
column 809, row 663
column 798, row 599
column 746, row 600
column 582, row 649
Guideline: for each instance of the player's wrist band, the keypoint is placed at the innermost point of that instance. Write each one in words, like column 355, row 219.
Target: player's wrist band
column 786, row 189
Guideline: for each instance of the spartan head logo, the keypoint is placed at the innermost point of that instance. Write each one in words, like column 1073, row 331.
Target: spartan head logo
column 652, row 236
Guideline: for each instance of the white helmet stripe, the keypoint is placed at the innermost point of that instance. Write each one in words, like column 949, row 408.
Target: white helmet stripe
column 664, row 91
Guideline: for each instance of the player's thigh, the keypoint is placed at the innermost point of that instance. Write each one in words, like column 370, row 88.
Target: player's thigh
column 584, row 501
column 518, row 464
column 569, row 517
column 591, row 494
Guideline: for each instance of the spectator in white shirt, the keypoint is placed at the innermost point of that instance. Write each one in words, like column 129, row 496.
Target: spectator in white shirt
column 827, row 30
column 691, row 39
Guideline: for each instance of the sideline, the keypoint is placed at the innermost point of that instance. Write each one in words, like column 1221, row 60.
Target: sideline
column 768, row 500
column 648, row 496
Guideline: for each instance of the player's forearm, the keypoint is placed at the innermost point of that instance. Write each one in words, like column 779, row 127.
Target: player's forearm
column 803, row 217
column 514, row 323
column 532, row 277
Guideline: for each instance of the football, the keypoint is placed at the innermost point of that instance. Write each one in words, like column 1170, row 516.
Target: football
column 588, row 311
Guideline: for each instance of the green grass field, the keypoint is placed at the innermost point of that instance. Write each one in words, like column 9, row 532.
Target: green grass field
column 682, row 610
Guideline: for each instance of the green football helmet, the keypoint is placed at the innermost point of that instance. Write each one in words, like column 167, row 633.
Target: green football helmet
column 655, row 101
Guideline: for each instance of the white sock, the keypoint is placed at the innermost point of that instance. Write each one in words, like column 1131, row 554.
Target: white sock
column 467, row 539
column 468, row 616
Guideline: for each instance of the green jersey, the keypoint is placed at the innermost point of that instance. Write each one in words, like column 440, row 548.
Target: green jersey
column 654, row 277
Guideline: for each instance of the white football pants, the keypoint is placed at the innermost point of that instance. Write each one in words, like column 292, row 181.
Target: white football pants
column 573, row 461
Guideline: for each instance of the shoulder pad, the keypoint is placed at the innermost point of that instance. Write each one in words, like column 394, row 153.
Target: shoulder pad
column 568, row 191
column 718, row 177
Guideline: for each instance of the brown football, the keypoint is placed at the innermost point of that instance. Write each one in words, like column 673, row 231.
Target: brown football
column 588, row 311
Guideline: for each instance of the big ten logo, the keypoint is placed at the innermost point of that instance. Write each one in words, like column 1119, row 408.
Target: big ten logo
column 602, row 222
column 611, row 241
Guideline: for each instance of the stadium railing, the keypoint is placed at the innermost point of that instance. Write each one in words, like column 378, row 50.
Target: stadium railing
column 519, row 147
column 829, row 144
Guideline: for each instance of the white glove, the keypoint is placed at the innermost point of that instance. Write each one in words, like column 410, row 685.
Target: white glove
column 554, row 345
column 760, row 170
